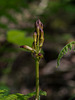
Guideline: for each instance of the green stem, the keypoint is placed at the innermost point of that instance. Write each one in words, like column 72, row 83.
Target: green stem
column 37, row 79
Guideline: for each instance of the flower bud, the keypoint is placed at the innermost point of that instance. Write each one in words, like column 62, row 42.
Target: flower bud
column 35, row 37
column 40, row 55
column 26, row 47
column 38, row 30
column 38, row 22
column 41, row 38
column 41, row 26
column 35, row 40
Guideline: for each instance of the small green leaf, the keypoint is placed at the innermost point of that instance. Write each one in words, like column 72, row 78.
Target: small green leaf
column 3, row 94
column 64, row 51
column 5, row 90
column 43, row 93
column 70, row 46
column 2, row 91
column 11, row 97
column 19, row 37
column 18, row 96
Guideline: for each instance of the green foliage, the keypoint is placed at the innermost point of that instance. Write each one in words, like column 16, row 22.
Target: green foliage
column 4, row 89
column 18, row 96
column 3, row 93
column 19, row 37
column 3, row 25
column 7, row 6
column 62, row 4
column 72, row 97
column 64, row 51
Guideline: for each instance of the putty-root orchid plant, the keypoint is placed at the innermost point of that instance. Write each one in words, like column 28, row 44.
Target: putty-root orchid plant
column 38, row 37
column 37, row 44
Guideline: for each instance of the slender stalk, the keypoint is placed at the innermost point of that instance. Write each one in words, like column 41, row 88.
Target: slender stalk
column 37, row 79
column 38, row 37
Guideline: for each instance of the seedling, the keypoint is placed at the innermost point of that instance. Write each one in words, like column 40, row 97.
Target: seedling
column 38, row 39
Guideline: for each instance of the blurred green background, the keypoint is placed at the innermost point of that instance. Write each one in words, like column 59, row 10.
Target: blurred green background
column 17, row 67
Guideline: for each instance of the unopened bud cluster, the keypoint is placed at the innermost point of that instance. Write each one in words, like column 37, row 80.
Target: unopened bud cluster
column 38, row 38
